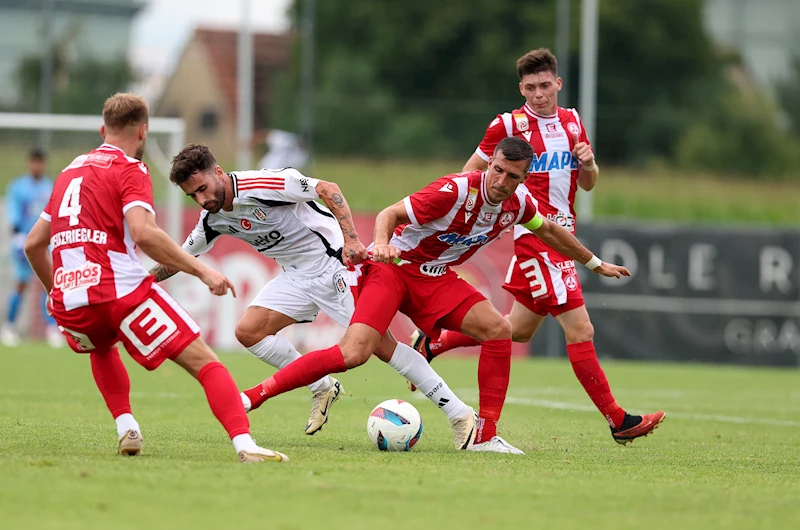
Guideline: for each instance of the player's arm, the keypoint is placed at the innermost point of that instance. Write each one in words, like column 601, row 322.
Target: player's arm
column 563, row 241
column 354, row 251
column 38, row 254
column 199, row 241
column 475, row 163
column 385, row 223
column 160, row 247
column 589, row 170
column 14, row 208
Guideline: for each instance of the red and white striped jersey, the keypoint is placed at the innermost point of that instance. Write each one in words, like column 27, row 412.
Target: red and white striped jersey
column 554, row 172
column 93, row 254
column 451, row 219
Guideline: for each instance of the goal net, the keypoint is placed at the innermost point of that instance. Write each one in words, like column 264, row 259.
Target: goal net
column 64, row 137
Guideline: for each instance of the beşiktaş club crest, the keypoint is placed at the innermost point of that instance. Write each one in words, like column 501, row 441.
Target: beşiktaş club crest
column 506, row 218
column 260, row 214
column 521, row 120
column 339, row 283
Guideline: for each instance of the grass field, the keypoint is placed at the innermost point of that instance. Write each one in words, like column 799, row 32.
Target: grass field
column 728, row 455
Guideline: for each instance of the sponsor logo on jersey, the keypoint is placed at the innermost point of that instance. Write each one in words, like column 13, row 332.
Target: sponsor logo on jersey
column 574, row 128
column 453, row 238
column 485, row 219
column 339, row 283
column 304, row 184
column 551, row 127
column 100, row 160
column 87, row 275
column 433, row 270
column 521, row 120
column 143, row 167
column 244, row 223
column 553, row 161
column 562, row 219
column 259, row 214
column 494, row 122
column 506, row 218
column 447, row 188
column 266, row 242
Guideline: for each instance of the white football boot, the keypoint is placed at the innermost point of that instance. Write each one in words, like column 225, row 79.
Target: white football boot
column 9, row 336
column 496, row 445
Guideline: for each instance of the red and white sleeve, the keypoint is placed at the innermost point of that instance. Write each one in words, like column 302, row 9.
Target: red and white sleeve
column 432, row 202
column 496, row 131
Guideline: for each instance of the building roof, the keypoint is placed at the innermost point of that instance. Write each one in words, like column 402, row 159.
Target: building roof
column 270, row 54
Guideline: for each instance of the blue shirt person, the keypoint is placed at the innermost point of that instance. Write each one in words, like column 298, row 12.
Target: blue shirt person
column 26, row 197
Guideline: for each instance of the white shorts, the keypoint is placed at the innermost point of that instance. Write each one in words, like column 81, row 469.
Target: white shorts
column 301, row 297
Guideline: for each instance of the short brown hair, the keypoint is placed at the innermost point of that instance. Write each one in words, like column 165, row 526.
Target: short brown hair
column 123, row 109
column 537, row 61
column 191, row 159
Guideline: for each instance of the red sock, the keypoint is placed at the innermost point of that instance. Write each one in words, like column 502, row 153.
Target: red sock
column 586, row 366
column 223, row 397
column 451, row 339
column 112, row 381
column 494, row 371
column 300, row 372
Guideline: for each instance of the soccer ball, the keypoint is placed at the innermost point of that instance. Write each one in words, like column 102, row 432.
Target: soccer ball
column 394, row 425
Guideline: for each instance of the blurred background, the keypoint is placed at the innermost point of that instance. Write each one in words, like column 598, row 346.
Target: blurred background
column 693, row 107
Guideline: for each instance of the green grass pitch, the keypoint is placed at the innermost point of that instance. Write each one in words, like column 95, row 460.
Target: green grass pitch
column 727, row 456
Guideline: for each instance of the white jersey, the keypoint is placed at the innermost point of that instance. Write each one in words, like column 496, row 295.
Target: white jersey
column 276, row 213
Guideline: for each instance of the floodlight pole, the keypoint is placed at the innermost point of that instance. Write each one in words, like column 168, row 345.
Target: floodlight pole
column 588, row 88
column 244, row 86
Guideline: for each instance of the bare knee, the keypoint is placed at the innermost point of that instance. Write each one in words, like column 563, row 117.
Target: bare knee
column 582, row 331
column 496, row 329
column 247, row 334
column 522, row 335
column 358, row 344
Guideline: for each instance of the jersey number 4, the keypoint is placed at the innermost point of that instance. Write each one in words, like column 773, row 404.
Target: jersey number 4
column 71, row 202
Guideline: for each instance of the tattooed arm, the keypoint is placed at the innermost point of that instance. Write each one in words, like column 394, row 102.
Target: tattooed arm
column 354, row 251
column 162, row 272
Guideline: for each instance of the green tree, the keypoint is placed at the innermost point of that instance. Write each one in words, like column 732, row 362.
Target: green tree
column 788, row 91
column 78, row 88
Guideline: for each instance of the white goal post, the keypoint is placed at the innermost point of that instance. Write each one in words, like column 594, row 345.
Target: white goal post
column 173, row 128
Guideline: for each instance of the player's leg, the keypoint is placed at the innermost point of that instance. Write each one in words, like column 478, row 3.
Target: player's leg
column 381, row 293
column 53, row 335
column 486, row 324
column 9, row 334
column 281, row 302
column 223, row 398
column 114, row 385
column 579, row 334
column 169, row 332
column 409, row 364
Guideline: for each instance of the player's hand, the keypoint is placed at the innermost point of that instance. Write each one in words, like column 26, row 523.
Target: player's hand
column 583, row 152
column 353, row 253
column 385, row 253
column 217, row 283
column 48, row 306
column 612, row 271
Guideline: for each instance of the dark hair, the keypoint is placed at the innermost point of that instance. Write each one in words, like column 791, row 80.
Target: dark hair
column 191, row 159
column 37, row 153
column 515, row 149
column 537, row 61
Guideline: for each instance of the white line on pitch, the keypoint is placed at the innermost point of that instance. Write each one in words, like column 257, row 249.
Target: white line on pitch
column 469, row 395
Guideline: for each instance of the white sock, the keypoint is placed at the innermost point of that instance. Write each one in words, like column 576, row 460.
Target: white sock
column 278, row 352
column 126, row 422
column 413, row 366
column 244, row 442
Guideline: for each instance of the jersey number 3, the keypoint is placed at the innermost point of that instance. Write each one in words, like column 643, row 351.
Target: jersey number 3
column 71, row 202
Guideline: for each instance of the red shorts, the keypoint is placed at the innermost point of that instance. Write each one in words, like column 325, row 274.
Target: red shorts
column 542, row 279
column 151, row 325
column 431, row 302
